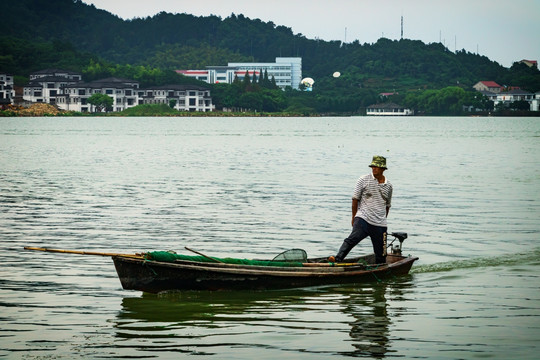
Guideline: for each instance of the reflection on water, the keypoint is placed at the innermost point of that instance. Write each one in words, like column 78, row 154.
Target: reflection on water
column 442, row 306
column 370, row 329
column 303, row 321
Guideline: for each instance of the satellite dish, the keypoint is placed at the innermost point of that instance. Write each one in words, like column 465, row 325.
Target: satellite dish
column 337, row 74
column 308, row 81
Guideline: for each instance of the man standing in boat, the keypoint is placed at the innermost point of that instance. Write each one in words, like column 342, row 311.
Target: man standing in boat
column 371, row 202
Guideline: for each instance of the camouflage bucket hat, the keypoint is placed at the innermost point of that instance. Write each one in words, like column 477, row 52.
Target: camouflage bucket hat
column 378, row 161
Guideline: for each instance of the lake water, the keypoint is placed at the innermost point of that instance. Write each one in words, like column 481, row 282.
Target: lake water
column 466, row 190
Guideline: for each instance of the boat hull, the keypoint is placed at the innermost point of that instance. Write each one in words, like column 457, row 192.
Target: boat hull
column 154, row 276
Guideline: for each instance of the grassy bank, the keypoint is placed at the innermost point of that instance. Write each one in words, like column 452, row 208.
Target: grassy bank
column 146, row 110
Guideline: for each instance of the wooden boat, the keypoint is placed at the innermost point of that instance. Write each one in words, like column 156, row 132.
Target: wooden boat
column 157, row 276
column 168, row 272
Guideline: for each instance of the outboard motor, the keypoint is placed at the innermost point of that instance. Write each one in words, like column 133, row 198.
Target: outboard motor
column 396, row 249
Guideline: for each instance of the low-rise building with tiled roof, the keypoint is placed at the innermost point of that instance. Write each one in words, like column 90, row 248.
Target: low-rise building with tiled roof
column 490, row 86
column 530, row 63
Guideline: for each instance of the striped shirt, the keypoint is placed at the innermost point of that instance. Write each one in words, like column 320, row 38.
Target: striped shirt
column 373, row 199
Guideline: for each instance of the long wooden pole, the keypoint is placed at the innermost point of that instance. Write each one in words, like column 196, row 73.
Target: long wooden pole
column 140, row 256
column 206, row 256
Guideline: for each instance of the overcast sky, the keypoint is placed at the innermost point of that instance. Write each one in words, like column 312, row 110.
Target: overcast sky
column 505, row 31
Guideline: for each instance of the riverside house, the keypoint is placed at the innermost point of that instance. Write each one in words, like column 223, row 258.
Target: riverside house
column 514, row 95
column 7, row 92
column 506, row 95
column 122, row 91
column 489, row 86
column 388, row 109
column 67, row 91
column 180, row 97
column 46, row 86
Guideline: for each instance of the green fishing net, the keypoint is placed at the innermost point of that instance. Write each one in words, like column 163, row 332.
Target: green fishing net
column 166, row 256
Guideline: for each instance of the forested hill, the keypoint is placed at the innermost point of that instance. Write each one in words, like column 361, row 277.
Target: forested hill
column 181, row 41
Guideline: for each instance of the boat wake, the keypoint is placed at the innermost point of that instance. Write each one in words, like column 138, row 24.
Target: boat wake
column 528, row 258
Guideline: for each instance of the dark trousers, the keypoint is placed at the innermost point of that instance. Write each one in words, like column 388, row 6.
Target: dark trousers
column 361, row 230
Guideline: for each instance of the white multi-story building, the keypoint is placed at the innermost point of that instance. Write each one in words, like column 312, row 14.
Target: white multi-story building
column 46, row 89
column 46, row 86
column 7, row 91
column 286, row 71
column 122, row 91
column 66, row 90
column 507, row 97
column 504, row 96
column 184, row 97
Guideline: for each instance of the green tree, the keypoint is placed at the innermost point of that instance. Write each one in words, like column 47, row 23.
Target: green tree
column 149, row 49
column 273, row 100
column 101, row 102
column 246, row 83
column 520, row 105
column 450, row 101
column 447, row 101
column 226, row 96
column 501, row 106
column 251, row 100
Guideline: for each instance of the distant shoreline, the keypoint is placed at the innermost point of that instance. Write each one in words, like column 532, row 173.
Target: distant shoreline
column 47, row 110
column 4, row 114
